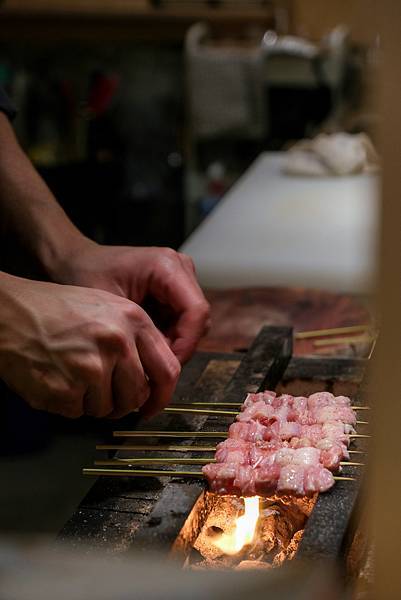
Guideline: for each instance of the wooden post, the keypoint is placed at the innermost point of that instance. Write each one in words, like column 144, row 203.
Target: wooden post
column 386, row 376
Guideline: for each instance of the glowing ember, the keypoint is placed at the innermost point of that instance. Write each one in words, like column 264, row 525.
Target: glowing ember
column 244, row 529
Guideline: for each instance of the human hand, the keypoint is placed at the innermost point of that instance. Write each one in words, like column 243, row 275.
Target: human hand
column 73, row 351
column 160, row 279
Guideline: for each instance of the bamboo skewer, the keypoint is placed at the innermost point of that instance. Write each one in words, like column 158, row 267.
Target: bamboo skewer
column 302, row 335
column 353, row 339
column 173, row 434
column 168, row 448
column 199, row 411
column 180, row 461
column 155, row 448
column 153, row 461
column 210, row 411
column 372, row 348
column 239, row 404
column 141, row 473
column 163, row 473
column 194, row 434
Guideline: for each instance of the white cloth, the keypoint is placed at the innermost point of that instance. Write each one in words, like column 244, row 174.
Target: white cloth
column 335, row 154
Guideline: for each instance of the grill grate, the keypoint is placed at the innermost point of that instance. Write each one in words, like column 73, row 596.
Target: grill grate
column 151, row 512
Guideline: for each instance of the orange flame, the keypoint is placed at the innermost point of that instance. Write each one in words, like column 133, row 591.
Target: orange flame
column 244, row 529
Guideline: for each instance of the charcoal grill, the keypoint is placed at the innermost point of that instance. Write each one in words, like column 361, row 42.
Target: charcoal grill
column 149, row 513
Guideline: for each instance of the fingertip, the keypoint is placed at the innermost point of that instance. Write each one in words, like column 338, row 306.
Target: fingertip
column 183, row 349
column 161, row 394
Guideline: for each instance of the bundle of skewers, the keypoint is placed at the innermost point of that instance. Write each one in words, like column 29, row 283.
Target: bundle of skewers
column 327, row 341
column 281, row 444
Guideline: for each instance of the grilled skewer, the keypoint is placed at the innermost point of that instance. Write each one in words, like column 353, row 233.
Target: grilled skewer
column 172, row 434
column 169, row 448
column 210, row 411
column 236, row 405
column 180, row 461
column 194, row 434
column 211, row 471
column 162, row 473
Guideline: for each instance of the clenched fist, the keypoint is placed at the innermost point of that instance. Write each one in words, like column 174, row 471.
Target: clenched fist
column 73, row 350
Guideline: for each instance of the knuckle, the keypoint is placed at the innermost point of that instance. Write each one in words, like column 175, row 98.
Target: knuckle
column 167, row 259
column 93, row 368
column 115, row 338
column 64, row 398
column 135, row 313
column 204, row 309
column 173, row 370
column 169, row 253
column 187, row 259
column 136, row 400
column 142, row 394
column 90, row 367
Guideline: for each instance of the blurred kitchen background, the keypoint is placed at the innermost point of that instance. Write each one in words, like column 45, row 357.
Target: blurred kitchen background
column 165, row 122
column 141, row 114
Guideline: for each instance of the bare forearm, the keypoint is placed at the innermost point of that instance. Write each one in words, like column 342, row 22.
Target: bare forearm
column 28, row 211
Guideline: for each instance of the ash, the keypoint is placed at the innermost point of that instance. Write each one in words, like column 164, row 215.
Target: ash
column 279, row 532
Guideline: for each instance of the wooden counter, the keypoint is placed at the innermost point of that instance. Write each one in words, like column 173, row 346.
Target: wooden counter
column 133, row 20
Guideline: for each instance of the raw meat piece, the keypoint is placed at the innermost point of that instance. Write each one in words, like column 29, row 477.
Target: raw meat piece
column 318, row 408
column 270, row 453
column 221, row 477
column 283, row 443
column 247, row 481
column 303, row 481
column 233, row 451
column 291, row 480
column 251, row 432
column 334, row 413
column 289, row 429
column 317, row 479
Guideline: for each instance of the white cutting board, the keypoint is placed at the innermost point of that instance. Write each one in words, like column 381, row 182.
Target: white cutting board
column 276, row 229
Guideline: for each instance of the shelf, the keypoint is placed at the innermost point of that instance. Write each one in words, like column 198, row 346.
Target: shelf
column 126, row 8
column 120, row 20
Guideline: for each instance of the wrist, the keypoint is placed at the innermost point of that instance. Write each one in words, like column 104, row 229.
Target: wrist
column 35, row 223
column 12, row 291
column 58, row 257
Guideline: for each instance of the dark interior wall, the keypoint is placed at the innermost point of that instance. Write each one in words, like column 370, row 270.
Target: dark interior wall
column 104, row 125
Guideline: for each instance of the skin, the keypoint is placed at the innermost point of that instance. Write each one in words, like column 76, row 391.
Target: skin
column 80, row 342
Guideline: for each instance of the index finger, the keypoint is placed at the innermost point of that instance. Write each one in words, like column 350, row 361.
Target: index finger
column 161, row 367
column 191, row 307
